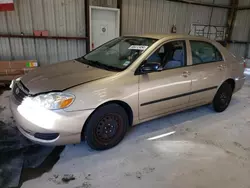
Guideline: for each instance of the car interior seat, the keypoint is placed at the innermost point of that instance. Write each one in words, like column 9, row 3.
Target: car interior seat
column 177, row 61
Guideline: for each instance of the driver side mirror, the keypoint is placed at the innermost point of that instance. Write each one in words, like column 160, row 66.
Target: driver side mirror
column 148, row 67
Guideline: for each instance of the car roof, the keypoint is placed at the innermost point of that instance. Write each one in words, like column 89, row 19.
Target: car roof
column 171, row 36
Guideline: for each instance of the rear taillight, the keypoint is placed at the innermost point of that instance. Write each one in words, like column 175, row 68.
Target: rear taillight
column 245, row 64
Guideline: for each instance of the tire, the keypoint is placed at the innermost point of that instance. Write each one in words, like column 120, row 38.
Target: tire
column 223, row 97
column 106, row 127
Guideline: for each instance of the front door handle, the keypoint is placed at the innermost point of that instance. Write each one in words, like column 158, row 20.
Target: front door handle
column 186, row 74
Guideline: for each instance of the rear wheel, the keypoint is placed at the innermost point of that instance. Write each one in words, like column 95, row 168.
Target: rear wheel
column 106, row 127
column 223, row 97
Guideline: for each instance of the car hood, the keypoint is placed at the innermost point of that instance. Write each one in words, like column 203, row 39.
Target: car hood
column 61, row 76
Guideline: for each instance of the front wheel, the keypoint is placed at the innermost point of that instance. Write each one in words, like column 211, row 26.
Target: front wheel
column 106, row 127
column 222, row 98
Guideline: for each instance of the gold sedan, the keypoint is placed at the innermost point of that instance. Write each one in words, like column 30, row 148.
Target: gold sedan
column 124, row 82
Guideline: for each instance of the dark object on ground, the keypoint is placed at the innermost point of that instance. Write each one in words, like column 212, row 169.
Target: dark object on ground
column 16, row 153
column 4, row 87
column 46, row 166
column 68, row 177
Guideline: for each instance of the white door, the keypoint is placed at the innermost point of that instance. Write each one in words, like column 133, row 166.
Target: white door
column 104, row 25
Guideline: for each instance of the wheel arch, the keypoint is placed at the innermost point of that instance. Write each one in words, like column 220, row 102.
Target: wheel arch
column 230, row 81
column 123, row 104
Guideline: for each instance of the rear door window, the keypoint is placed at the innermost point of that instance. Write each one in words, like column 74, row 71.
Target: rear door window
column 204, row 52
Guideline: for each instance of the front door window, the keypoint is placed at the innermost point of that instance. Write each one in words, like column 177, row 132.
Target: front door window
column 170, row 55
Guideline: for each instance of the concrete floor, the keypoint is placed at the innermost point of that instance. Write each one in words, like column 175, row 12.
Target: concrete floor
column 208, row 149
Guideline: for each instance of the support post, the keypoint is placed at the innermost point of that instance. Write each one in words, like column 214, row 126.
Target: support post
column 231, row 19
column 87, row 25
column 119, row 6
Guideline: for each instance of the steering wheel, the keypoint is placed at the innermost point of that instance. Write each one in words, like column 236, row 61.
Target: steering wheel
column 115, row 52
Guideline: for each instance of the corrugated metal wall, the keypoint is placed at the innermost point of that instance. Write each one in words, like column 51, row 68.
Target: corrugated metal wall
column 238, row 49
column 244, row 2
column 158, row 16
column 104, row 3
column 67, row 18
column 241, row 31
column 59, row 17
column 242, row 26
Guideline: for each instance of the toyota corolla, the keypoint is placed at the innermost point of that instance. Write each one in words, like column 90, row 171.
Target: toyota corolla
column 124, row 82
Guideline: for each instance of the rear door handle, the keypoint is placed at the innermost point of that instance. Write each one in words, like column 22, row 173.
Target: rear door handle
column 221, row 67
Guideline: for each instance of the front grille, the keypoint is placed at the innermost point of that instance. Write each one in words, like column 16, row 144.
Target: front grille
column 19, row 91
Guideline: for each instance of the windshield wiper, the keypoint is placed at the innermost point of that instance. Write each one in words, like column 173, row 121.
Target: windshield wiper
column 98, row 64
column 82, row 60
column 107, row 67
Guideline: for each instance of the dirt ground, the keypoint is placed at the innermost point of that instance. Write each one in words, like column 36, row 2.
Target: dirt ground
column 207, row 150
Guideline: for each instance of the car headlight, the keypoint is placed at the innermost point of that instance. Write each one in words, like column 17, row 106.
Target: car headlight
column 54, row 100
column 13, row 82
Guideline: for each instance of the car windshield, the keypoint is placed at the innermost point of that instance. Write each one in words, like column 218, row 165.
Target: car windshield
column 117, row 54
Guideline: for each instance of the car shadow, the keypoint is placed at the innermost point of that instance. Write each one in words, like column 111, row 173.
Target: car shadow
column 4, row 88
column 143, row 130
column 176, row 119
column 77, row 152
column 46, row 166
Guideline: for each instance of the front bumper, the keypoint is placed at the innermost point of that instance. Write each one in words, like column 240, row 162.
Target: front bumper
column 31, row 120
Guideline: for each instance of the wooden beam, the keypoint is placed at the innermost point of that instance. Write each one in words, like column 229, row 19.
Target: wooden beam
column 202, row 4
column 42, row 37
column 209, row 4
column 243, row 7
column 238, row 42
